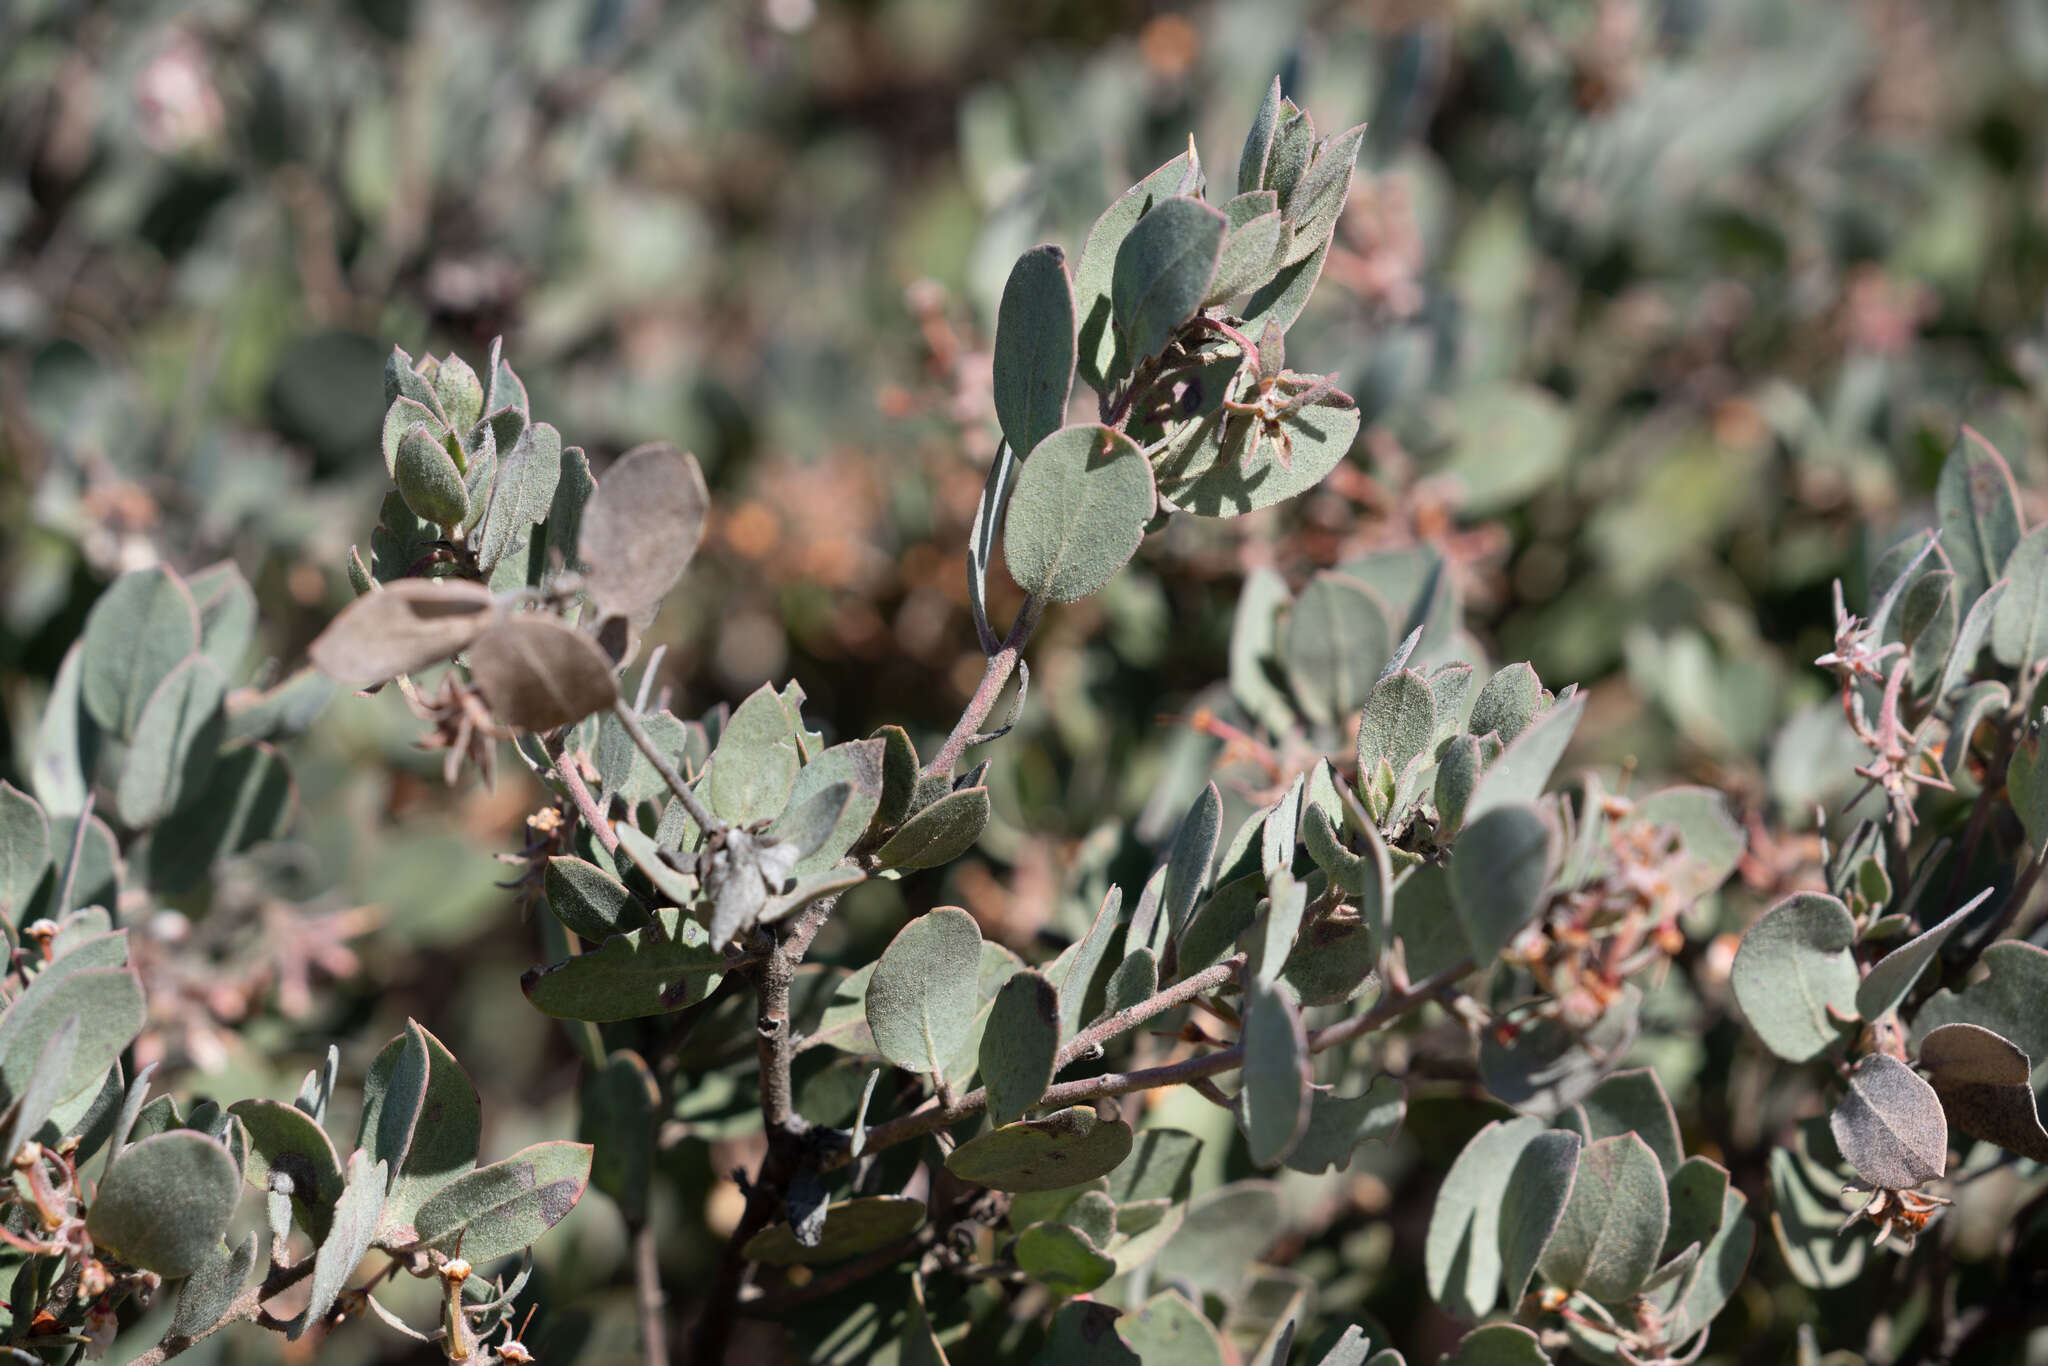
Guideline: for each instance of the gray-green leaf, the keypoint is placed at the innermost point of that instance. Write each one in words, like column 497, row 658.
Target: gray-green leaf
column 1613, row 1226
column 922, row 1001
column 1034, row 348
column 1077, row 513
column 1890, row 1126
column 1019, row 1045
column 1793, row 965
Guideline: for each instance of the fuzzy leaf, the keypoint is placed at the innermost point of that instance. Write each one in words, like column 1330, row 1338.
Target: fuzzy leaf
column 145, row 625
column 940, row 833
column 1499, row 871
column 1534, row 1203
column 1890, row 1126
column 754, row 768
column 165, row 1202
column 521, row 494
column 922, row 1000
column 177, row 741
column 402, row 628
column 1102, row 356
column 537, row 672
column 1276, row 1097
column 1077, row 513
column 1338, row 640
column 1337, row 1125
column 1793, row 965
column 1524, row 767
column 421, row 1119
column 1893, row 976
column 1019, row 1045
column 1978, row 508
column 24, row 850
column 640, row 530
column 858, row 767
column 213, row 1286
column 1204, row 472
column 1064, row 1148
column 2019, row 628
column 591, row 902
column 1461, row 1255
column 1507, row 704
column 654, row 970
column 1613, row 1227
column 503, row 1208
column 85, row 985
column 1168, row 1331
column 1258, row 142
column 1189, row 859
column 356, row 1218
column 429, row 480
column 2006, row 1000
column 1634, row 1102
column 1498, row 1344
column 1162, row 274
column 1034, row 348
column 1985, row 1086
column 853, row 1228
column 1073, row 972
column 1399, row 721
column 1061, row 1258
column 284, row 1141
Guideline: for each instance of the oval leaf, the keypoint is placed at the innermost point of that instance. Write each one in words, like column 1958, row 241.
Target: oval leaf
column 1077, row 513
column 1607, row 1241
column 922, row 999
column 404, row 627
column 853, row 1228
column 1020, row 1045
column 1034, row 348
column 1794, row 964
column 166, row 1201
column 640, row 529
column 501, row 1209
column 537, row 672
column 1065, row 1148
column 1890, row 1126
column 1499, row 870
column 1163, row 270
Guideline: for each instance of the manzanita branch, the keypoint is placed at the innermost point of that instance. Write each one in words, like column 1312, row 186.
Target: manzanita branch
column 649, row 1301
column 1000, row 666
column 933, row 1116
column 571, row 777
column 245, row 1306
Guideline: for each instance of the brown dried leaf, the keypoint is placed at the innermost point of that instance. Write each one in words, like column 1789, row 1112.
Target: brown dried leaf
column 538, row 673
column 642, row 526
column 402, row 628
column 1984, row 1081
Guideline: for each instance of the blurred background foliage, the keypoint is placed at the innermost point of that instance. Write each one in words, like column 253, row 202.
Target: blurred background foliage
column 1661, row 316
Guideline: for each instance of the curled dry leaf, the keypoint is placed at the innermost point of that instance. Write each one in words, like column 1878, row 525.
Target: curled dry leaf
column 642, row 526
column 538, row 673
column 1985, row 1084
column 402, row 628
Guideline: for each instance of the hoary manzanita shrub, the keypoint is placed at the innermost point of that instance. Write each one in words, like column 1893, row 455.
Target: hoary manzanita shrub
column 941, row 1123
column 1420, row 863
